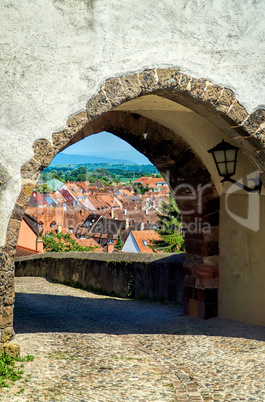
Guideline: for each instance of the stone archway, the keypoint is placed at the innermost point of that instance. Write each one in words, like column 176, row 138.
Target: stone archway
column 215, row 104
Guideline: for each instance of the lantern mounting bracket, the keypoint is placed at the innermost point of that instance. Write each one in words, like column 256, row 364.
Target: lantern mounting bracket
column 255, row 189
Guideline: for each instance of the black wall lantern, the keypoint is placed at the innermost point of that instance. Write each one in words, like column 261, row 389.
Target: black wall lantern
column 225, row 158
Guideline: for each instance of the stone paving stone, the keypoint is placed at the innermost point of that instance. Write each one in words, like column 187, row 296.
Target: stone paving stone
column 90, row 347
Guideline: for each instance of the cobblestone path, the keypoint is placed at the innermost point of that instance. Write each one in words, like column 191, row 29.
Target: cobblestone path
column 91, row 347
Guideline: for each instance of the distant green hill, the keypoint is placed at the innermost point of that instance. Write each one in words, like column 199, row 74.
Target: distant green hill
column 68, row 159
column 117, row 168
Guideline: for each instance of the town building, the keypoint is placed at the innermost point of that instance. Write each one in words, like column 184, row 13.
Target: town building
column 140, row 241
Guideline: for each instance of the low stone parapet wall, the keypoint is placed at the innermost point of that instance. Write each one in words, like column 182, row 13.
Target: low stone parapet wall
column 147, row 276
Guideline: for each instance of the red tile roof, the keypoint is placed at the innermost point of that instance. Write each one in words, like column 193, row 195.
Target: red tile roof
column 143, row 238
column 64, row 218
column 74, row 189
column 38, row 197
column 89, row 243
column 23, row 251
column 152, row 182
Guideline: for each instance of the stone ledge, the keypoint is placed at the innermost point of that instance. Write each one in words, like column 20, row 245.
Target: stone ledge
column 110, row 257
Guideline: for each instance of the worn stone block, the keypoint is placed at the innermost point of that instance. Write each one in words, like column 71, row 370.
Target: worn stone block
column 185, row 83
column 7, row 334
column 207, row 283
column 9, row 295
column 6, row 318
column 193, row 308
column 255, row 121
column 74, row 125
column 212, row 94
column 77, row 122
column 13, row 231
column 18, row 212
column 44, row 152
column 148, row 81
column 189, row 280
column 198, row 88
column 131, row 86
column 203, row 304
column 30, row 169
column 114, row 91
column 206, row 271
column 238, row 113
column 61, row 138
column 200, row 247
column 24, row 195
column 227, row 98
column 168, row 77
column 98, row 105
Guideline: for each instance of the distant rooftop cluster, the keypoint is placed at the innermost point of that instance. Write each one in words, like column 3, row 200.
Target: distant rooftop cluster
column 94, row 214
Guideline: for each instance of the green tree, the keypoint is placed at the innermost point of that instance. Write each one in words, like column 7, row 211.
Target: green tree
column 119, row 243
column 170, row 229
column 56, row 176
column 43, row 189
column 92, row 179
column 139, row 188
column 60, row 243
column 102, row 172
column 81, row 177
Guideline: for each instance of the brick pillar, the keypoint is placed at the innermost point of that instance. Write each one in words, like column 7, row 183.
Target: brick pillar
column 201, row 284
column 201, row 268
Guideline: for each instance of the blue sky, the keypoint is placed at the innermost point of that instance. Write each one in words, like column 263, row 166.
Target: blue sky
column 107, row 145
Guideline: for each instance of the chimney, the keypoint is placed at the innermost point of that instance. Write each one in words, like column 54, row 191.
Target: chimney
column 125, row 212
column 112, row 213
column 59, row 228
column 146, row 212
column 110, row 247
column 127, row 223
column 39, row 245
column 141, row 226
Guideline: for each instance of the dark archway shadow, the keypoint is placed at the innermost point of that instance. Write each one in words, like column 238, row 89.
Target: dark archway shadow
column 36, row 313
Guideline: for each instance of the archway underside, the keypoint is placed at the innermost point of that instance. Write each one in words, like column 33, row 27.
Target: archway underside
column 172, row 156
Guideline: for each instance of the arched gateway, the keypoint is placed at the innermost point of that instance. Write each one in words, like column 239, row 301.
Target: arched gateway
column 174, row 119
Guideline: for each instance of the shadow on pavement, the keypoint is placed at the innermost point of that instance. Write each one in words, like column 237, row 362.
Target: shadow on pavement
column 53, row 313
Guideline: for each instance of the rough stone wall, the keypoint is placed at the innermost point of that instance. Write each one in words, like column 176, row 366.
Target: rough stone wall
column 142, row 276
column 7, row 294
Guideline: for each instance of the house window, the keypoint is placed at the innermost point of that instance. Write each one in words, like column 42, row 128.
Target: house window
column 53, row 225
column 71, row 230
column 40, row 225
column 145, row 242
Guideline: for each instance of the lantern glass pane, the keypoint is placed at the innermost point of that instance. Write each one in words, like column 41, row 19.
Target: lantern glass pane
column 231, row 168
column 222, row 169
column 219, row 156
column 231, row 155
